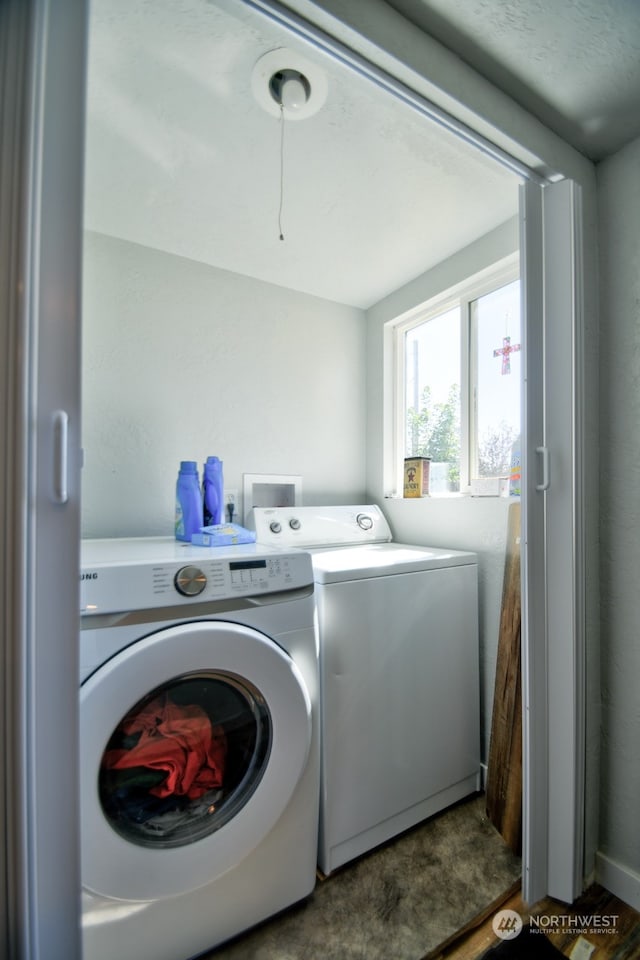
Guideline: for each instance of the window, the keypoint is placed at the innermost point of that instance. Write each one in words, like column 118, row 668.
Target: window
column 432, row 396
column 458, row 397
column 495, row 337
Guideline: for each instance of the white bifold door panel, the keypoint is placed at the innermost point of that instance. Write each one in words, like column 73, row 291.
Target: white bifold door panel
column 42, row 64
column 553, row 543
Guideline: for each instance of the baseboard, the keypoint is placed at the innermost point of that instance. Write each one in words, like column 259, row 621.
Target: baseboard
column 618, row 879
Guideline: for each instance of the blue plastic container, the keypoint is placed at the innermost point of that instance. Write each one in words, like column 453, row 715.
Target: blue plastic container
column 213, row 492
column 188, row 501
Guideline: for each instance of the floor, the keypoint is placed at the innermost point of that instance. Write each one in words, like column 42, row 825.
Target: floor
column 396, row 903
column 615, row 936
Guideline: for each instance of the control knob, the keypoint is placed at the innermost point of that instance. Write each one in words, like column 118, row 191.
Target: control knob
column 275, row 526
column 190, row 581
column 364, row 521
column 294, row 523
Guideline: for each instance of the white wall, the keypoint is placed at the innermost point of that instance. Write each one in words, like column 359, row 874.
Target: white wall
column 619, row 209
column 464, row 523
column 181, row 360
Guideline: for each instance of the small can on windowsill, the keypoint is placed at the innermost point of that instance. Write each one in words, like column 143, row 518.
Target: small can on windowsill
column 416, row 476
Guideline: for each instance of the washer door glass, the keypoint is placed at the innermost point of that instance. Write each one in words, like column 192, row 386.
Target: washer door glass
column 185, row 759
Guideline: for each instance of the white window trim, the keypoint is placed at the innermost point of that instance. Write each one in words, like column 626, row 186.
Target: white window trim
column 461, row 296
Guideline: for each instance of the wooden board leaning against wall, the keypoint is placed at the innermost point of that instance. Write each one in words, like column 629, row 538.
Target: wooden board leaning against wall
column 504, row 771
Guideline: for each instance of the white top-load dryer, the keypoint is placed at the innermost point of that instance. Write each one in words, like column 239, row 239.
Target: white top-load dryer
column 399, row 673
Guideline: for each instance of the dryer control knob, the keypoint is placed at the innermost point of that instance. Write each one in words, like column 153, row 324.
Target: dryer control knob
column 294, row 523
column 364, row 521
column 275, row 526
column 190, row 581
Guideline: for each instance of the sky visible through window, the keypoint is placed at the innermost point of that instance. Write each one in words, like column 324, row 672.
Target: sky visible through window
column 433, row 357
column 499, row 357
column 433, row 362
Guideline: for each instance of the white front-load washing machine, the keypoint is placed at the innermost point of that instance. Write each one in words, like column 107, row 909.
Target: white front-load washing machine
column 199, row 747
column 399, row 673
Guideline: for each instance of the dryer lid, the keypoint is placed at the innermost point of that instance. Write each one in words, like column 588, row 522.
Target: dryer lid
column 382, row 560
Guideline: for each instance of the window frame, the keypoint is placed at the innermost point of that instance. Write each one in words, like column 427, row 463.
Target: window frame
column 459, row 296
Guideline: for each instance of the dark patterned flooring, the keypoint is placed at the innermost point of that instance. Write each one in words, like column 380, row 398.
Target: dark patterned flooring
column 396, row 903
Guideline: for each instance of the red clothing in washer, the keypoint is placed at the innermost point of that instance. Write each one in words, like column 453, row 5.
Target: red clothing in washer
column 178, row 739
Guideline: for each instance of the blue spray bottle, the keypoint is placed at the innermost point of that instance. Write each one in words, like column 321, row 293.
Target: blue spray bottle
column 188, row 501
column 213, row 492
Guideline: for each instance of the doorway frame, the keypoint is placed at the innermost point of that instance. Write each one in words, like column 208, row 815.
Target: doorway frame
column 502, row 125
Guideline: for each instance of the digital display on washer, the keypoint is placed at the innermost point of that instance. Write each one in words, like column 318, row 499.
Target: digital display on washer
column 247, row 564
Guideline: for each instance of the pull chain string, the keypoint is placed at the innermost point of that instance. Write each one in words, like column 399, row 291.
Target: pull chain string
column 281, row 171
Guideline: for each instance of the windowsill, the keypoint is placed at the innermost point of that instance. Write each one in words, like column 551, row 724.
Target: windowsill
column 450, row 496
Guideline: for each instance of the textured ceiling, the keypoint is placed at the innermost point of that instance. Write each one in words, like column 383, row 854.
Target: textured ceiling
column 574, row 64
column 181, row 157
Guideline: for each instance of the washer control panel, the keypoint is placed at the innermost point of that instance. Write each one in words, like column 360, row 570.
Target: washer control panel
column 320, row 526
column 192, row 574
